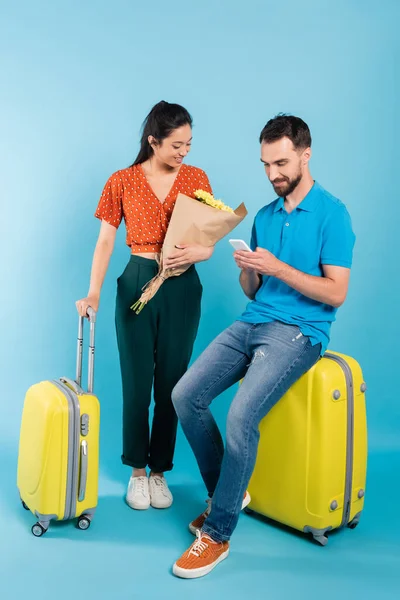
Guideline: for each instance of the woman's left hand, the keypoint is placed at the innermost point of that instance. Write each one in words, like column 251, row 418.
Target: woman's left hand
column 187, row 254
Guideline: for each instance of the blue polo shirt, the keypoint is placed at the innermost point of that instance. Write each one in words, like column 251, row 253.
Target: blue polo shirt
column 318, row 232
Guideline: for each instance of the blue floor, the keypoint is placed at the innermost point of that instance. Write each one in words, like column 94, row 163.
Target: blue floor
column 128, row 554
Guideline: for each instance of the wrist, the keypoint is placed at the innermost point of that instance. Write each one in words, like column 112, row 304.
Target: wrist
column 205, row 254
column 280, row 270
column 250, row 272
column 94, row 294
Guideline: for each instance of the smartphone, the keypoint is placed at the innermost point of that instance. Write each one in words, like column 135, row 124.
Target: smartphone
column 240, row 245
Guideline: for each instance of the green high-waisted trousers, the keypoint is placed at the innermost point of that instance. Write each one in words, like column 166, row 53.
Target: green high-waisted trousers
column 155, row 348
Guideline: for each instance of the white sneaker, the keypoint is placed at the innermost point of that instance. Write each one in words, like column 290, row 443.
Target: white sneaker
column 160, row 495
column 137, row 495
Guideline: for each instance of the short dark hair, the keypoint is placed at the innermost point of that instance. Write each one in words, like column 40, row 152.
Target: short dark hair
column 287, row 126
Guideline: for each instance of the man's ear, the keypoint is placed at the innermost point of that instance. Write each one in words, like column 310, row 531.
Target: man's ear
column 306, row 155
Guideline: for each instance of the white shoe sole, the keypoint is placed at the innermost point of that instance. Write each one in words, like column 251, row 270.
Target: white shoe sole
column 246, row 502
column 167, row 504
column 194, row 573
column 137, row 506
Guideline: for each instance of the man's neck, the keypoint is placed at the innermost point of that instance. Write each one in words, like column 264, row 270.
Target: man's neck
column 293, row 200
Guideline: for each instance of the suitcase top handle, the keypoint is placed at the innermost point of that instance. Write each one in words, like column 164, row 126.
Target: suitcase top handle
column 92, row 320
column 91, row 313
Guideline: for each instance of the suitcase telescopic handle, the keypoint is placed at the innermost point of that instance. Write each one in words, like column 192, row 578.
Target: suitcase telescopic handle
column 92, row 321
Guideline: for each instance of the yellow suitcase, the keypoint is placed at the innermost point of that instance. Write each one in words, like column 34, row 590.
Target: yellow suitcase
column 58, row 458
column 310, row 471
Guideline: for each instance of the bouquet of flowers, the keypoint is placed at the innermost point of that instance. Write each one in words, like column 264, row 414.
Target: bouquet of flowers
column 203, row 221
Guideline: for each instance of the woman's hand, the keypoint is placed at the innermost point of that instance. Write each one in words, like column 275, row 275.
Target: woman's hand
column 83, row 304
column 187, row 254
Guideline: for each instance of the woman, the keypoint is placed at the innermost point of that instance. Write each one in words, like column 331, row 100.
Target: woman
column 155, row 346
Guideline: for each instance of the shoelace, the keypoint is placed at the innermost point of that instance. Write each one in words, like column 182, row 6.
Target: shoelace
column 159, row 481
column 199, row 546
column 139, row 485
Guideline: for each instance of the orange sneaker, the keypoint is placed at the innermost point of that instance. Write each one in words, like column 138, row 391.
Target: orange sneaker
column 199, row 521
column 201, row 558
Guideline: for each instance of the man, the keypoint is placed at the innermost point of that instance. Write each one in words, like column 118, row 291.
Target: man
column 296, row 276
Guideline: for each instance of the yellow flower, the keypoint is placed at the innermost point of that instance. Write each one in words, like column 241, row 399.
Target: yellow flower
column 209, row 199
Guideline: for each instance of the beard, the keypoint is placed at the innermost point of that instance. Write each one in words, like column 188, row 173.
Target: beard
column 287, row 186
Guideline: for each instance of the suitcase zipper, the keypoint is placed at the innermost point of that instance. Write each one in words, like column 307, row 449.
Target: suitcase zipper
column 73, row 443
column 350, row 435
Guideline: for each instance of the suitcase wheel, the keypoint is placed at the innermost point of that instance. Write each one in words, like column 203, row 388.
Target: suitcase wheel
column 38, row 530
column 353, row 524
column 83, row 522
column 321, row 539
column 24, row 505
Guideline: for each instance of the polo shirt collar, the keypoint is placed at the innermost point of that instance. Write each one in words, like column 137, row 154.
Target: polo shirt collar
column 308, row 203
column 279, row 205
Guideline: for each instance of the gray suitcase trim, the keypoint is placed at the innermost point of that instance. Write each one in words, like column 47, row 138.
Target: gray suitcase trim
column 44, row 519
column 318, row 534
column 89, row 512
column 73, row 444
column 350, row 435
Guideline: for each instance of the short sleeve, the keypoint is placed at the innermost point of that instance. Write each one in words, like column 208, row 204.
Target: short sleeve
column 204, row 183
column 109, row 208
column 338, row 239
column 253, row 240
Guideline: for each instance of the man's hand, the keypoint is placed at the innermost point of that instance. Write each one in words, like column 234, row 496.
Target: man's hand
column 187, row 254
column 330, row 289
column 261, row 261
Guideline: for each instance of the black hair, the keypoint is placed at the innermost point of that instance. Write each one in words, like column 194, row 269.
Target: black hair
column 287, row 126
column 161, row 121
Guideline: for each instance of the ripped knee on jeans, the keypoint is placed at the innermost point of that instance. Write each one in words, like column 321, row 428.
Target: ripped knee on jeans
column 258, row 355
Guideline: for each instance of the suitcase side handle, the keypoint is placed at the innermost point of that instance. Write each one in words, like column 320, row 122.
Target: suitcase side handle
column 83, row 471
column 92, row 320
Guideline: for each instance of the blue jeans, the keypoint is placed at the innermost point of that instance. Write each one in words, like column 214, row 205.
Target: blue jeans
column 270, row 357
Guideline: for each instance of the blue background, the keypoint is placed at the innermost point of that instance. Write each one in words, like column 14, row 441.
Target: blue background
column 78, row 79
